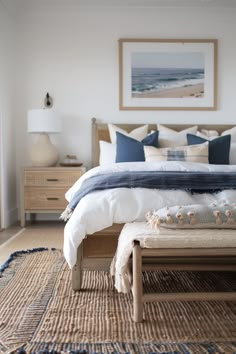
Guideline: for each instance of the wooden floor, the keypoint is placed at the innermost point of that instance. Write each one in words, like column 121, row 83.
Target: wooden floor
column 6, row 234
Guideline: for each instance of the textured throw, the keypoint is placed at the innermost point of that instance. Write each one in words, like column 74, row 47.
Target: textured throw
column 219, row 216
column 197, row 182
column 40, row 313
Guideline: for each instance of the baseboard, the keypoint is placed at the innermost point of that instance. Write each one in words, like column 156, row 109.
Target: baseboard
column 9, row 218
column 42, row 216
column 39, row 216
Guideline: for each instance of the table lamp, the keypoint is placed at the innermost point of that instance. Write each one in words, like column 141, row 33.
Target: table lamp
column 43, row 122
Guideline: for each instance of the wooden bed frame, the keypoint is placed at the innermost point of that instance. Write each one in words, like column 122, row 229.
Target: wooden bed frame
column 97, row 250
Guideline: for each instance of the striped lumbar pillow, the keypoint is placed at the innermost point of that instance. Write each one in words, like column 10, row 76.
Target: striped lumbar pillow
column 194, row 153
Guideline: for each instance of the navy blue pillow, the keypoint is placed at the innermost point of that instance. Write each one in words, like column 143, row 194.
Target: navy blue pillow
column 219, row 148
column 129, row 149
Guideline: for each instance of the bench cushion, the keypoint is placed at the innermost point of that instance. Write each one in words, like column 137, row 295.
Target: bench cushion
column 169, row 238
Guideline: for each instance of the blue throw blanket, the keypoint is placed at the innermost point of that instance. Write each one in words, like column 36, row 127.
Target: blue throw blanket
column 194, row 182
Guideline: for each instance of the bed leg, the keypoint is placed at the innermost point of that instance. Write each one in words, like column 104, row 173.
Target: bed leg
column 137, row 283
column 76, row 272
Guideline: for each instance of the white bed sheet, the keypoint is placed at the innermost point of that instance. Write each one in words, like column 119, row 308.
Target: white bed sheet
column 101, row 209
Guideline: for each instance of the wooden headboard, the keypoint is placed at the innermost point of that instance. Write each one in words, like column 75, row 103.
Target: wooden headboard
column 100, row 132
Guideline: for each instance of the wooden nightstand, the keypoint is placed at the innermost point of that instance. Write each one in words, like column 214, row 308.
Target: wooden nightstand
column 43, row 189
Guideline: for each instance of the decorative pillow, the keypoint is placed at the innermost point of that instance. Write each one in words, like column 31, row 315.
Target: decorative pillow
column 205, row 133
column 194, row 216
column 138, row 133
column 231, row 132
column 107, row 153
column 195, row 153
column 201, row 135
column 170, row 138
column 219, row 148
column 129, row 149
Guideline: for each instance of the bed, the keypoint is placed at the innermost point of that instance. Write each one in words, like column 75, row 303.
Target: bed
column 92, row 231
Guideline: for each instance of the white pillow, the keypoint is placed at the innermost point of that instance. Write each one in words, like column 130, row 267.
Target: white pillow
column 171, row 138
column 232, row 154
column 138, row 133
column 209, row 133
column 231, row 132
column 201, row 135
column 107, row 153
column 192, row 153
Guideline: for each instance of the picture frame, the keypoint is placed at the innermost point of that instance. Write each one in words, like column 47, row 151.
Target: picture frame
column 167, row 74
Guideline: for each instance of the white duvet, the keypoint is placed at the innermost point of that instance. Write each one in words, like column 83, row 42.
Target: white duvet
column 101, row 209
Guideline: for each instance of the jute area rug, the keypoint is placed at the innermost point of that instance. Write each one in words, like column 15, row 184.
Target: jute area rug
column 40, row 313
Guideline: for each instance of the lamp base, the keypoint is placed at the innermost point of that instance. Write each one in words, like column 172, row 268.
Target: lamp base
column 43, row 153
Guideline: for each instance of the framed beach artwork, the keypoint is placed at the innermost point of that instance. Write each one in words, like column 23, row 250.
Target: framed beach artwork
column 167, row 74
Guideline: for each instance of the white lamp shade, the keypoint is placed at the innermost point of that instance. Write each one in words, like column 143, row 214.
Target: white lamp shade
column 43, row 121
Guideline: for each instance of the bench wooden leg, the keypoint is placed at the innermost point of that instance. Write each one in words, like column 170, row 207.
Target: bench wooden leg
column 137, row 283
column 76, row 272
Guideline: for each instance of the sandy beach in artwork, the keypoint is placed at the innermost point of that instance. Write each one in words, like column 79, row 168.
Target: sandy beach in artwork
column 175, row 92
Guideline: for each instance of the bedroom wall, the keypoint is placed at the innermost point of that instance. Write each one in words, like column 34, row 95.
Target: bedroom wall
column 7, row 124
column 72, row 53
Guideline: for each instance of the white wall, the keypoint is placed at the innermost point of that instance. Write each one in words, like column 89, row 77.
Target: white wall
column 72, row 53
column 7, row 124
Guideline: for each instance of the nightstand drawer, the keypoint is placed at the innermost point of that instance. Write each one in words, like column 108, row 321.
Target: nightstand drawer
column 45, row 199
column 51, row 178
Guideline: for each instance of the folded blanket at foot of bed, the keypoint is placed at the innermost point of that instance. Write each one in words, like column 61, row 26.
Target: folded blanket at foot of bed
column 220, row 215
column 162, row 238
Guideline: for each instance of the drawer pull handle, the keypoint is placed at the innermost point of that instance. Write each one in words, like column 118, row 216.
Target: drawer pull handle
column 52, row 198
column 52, row 179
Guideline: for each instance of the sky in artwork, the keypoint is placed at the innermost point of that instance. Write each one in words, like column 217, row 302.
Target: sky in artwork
column 168, row 60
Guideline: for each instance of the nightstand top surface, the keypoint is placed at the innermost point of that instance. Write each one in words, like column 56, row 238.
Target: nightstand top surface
column 41, row 168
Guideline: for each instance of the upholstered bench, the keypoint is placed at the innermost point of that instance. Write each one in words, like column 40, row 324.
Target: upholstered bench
column 171, row 249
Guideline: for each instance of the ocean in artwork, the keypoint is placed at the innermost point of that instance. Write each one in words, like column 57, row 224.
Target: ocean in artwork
column 151, row 82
